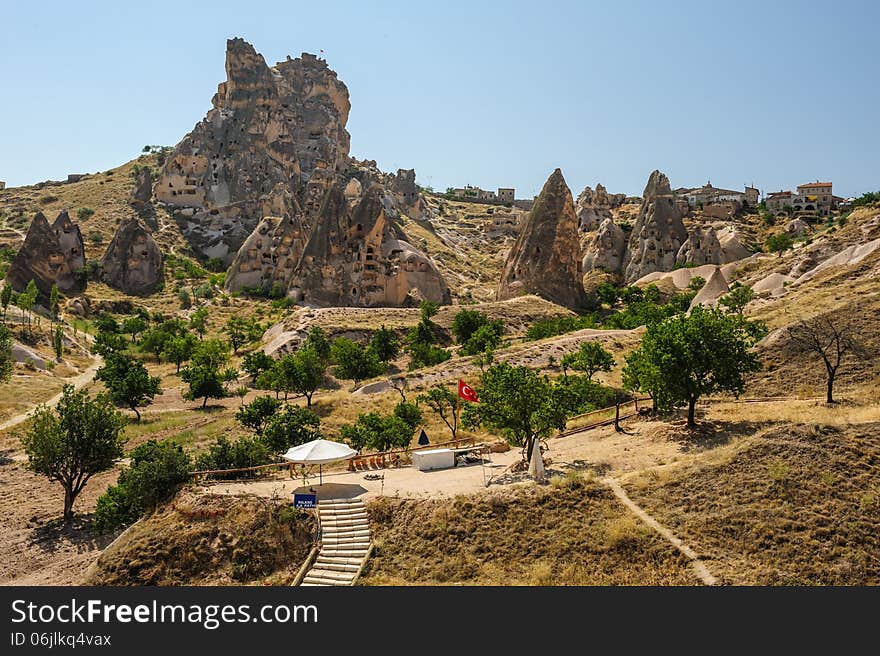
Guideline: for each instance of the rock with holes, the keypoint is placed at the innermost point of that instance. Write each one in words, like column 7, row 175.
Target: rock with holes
column 545, row 260
column 133, row 262
column 701, row 247
column 606, row 250
column 50, row 255
column 358, row 256
column 658, row 233
column 268, row 126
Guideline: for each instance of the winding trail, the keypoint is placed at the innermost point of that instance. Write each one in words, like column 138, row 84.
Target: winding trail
column 79, row 381
column 699, row 566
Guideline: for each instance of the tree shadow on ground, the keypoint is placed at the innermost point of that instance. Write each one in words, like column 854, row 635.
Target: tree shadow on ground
column 79, row 532
column 5, row 458
column 710, row 435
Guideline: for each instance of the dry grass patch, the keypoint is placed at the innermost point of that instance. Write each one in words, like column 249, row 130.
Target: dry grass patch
column 797, row 504
column 573, row 532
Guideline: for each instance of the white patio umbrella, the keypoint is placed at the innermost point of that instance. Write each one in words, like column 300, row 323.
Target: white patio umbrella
column 536, row 463
column 318, row 452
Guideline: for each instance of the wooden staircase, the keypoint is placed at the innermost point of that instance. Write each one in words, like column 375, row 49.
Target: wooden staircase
column 345, row 543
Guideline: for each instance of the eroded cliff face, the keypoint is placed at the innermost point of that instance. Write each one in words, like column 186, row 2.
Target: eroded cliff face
column 268, row 126
column 50, row 255
column 546, row 259
column 658, row 233
column 133, row 261
column 358, row 256
column 266, row 184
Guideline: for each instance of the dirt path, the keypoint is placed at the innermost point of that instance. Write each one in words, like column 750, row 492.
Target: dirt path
column 79, row 381
column 699, row 566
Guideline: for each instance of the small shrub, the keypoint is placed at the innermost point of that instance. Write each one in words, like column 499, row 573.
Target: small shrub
column 84, row 213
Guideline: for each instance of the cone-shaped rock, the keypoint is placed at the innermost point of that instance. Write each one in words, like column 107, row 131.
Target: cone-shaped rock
column 133, row 261
column 546, row 257
column 606, row 250
column 50, row 255
column 714, row 289
column 359, row 258
column 658, row 233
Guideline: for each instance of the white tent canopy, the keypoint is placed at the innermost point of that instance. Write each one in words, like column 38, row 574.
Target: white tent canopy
column 319, row 452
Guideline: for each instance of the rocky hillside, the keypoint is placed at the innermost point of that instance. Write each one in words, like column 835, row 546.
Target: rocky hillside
column 200, row 539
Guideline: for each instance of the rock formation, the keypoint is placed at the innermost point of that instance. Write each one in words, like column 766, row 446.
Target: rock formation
column 133, row 261
column 545, row 259
column 268, row 126
column 606, row 249
column 265, row 183
column 714, row 289
column 732, row 246
column 592, row 207
column 358, row 257
column 797, row 228
column 658, row 233
column 50, row 255
column 700, row 247
column 143, row 189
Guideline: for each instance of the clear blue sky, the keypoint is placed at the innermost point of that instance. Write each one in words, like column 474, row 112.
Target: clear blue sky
column 487, row 93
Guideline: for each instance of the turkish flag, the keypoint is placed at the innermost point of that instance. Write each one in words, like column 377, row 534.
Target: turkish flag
column 467, row 392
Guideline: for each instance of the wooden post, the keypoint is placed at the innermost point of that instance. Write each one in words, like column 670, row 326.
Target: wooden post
column 617, row 417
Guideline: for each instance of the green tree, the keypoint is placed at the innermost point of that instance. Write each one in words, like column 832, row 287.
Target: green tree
column 739, row 296
column 5, row 298
column 58, row 343
column 518, row 402
column 317, row 340
column 422, row 339
column 290, row 427
column 486, row 338
column 106, row 344
column 198, row 321
column 179, row 349
column 696, row 283
column 466, row 323
column 607, row 294
column 206, row 374
column 134, row 326
column 255, row 363
column 444, row 403
column 689, row 356
column 309, row 370
column 353, row 361
column 778, row 243
column 255, row 414
column 157, row 470
column 53, row 302
column 591, row 358
column 27, row 300
column 185, row 299
column 7, row 363
column 409, row 413
column 128, row 382
column 236, row 331
column 72, row 443
column 385, row 344
column 373, row 431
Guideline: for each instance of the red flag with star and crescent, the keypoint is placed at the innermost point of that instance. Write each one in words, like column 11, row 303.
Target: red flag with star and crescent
column 467, row 392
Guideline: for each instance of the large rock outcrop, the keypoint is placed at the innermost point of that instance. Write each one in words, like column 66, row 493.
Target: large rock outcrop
column 701, row 247
column 712, row 291
column 545, row 260
column 658, row 233
column 143, row 189
column 133, row 261
column 357, row 256
column 50, row 255
column 592, row 207
column 606, row 249
column 266, row 177
column 268, row 126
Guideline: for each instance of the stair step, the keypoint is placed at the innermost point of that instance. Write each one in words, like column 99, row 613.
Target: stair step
column 324, row 580
column 345, row 553
column 340, row 503
column 343, row 510
column 334, row 567
column 333, row 560
column 332, row 574
column 340, row 517
column 356, row 533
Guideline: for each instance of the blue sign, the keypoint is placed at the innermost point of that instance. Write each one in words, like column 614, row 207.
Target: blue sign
column 305, row 500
